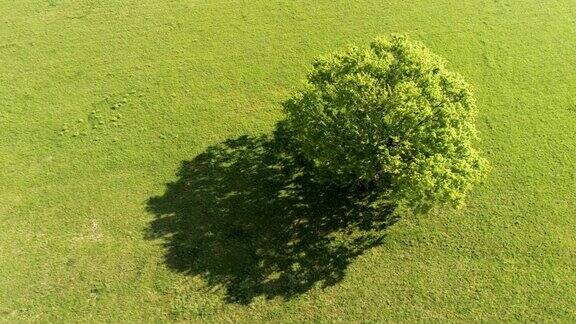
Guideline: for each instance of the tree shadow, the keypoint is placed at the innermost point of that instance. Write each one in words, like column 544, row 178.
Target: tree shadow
column 248, row 216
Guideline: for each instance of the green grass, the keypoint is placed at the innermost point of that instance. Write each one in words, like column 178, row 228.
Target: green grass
column 102, row 102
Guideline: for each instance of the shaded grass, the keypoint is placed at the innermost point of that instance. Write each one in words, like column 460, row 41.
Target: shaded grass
column 248, row 216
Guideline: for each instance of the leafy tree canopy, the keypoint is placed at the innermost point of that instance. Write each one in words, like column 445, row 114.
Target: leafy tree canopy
column 390, row 117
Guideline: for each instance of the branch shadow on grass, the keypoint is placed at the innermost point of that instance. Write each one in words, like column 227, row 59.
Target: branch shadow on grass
column 248, row 217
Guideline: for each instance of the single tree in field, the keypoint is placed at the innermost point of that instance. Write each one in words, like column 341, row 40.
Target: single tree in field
column 391, row 118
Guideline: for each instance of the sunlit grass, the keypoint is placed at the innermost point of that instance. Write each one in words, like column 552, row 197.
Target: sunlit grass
column 102, row 101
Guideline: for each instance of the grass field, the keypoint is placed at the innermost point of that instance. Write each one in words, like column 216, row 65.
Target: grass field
column 135, row 184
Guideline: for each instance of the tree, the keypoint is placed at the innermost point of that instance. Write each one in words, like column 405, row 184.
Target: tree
column 391, row 118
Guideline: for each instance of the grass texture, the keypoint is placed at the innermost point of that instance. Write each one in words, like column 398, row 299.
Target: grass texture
column 139, row 180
